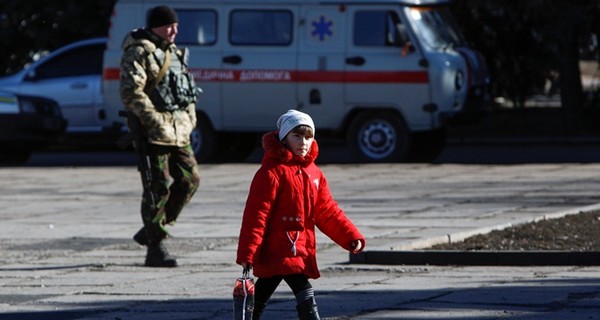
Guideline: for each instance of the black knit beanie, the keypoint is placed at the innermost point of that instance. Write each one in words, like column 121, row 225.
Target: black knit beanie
column 161, row 16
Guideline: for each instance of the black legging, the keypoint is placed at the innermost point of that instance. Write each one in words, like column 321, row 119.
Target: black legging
column 264, row 287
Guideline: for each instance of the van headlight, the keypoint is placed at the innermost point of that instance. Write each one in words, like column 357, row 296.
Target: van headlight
column 459, row 80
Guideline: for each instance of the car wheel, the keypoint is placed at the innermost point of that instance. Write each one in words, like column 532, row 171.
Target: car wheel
column 378, row 137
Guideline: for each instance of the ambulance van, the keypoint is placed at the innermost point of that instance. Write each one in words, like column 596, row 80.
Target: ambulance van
column 385, row 76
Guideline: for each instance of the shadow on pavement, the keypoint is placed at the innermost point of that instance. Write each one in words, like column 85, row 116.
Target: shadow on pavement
column 462, row 153
column 538, row 299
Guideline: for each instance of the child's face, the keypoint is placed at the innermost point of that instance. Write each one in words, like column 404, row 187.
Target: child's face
column 298, row 143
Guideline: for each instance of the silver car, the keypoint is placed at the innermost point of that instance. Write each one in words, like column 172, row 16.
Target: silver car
column 71, row 76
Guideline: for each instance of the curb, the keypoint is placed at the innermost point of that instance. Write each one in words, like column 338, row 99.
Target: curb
column 483, row 257
column 478, row 258
column 460, row 236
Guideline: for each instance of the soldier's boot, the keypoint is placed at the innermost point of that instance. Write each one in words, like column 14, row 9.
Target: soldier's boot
column 141, row 237
column 158, row 256
column 307, row 307
column 258, row 310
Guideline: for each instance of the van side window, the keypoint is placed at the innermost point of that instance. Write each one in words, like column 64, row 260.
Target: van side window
column 377, row 29
column 197, row 27
column 261, row 27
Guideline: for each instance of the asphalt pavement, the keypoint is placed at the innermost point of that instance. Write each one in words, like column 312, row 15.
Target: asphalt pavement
column 66, row 250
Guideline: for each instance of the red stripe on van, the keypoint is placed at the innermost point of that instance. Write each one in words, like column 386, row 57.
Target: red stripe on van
column 211, row 75
column 389, row 77
column 366, row 77
column 111, row 74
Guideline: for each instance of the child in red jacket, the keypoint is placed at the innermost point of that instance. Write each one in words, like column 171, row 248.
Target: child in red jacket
column 288, row 198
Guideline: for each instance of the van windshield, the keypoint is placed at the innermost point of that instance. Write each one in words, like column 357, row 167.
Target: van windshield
column 435, row 27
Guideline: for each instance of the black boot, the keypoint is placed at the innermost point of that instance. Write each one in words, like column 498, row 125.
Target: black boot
column 158, row 256
column 307, row 310
column 141, row 237
column 258, row 310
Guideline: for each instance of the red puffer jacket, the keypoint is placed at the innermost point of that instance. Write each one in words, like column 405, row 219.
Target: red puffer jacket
column 288, row 197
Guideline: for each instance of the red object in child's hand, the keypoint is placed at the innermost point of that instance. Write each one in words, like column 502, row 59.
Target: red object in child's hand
column 243, row 297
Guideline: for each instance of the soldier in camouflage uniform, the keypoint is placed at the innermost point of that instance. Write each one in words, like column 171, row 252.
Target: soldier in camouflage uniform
column 164, row 101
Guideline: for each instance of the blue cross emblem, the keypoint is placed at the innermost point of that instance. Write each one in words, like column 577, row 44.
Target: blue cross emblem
column 322, row 28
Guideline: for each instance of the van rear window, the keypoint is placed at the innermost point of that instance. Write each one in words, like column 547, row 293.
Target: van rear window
column 261, row 27
column 197, row 27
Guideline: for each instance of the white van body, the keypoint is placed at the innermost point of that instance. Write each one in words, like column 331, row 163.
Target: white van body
column 386, row 76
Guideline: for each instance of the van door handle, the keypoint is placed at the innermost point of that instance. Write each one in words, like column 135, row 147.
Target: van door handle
column 235, row 59
column 357, row 61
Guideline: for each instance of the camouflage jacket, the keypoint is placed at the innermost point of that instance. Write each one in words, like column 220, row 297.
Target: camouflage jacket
column 139, row 69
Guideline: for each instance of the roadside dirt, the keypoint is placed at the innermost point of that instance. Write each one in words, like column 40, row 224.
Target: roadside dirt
column 576, row 232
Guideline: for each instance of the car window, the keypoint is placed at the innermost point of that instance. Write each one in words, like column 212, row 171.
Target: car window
column 376, row 29
column 261, row 27
column 197, row 27
column 81, row 61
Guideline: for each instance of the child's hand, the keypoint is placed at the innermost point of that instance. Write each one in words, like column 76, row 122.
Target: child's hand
column 246, row 267
column 357, row 246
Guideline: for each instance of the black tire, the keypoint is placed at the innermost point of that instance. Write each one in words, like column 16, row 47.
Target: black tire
column 203, row 140
column 378, row 137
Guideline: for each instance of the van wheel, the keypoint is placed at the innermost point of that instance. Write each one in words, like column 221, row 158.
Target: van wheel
column 378, row 137
column 203, row 141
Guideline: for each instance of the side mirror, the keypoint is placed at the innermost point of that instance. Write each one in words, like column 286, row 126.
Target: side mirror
column 31, row 75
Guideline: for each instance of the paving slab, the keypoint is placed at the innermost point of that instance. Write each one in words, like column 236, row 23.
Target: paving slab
column 66, row 250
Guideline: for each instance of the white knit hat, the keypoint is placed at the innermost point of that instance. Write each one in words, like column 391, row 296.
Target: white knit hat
column 291, row 119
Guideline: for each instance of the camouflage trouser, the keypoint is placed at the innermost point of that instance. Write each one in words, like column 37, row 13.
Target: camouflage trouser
column 175, row 179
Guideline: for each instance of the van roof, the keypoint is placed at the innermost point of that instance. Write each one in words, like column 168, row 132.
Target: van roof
column 347, row 2
column 401, row 2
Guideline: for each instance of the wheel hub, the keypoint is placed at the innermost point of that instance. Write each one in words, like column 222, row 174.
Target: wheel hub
column 378, row 140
